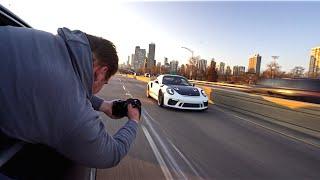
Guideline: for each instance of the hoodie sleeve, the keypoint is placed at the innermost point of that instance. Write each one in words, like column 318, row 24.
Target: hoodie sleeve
column 89, row 143
column 96, row 102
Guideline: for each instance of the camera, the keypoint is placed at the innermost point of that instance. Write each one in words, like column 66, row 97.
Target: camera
column 120, row 107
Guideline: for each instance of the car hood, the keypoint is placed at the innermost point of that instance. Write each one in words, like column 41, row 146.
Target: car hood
column 185, row 90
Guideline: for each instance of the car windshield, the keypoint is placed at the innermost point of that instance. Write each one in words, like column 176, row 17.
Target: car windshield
column 175, row 80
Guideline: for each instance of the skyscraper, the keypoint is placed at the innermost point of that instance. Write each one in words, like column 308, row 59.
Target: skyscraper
column 221, row 68
column 135, row 63
column 202, row 64
column 139, row 57
column 239, row 70
column 128, row 61
column 254, row 64
column 314, row 65
column 213, row 63
column 165, row 62
column 151, row 55
column 174, row 66
column 132, row 60
column 228, row 71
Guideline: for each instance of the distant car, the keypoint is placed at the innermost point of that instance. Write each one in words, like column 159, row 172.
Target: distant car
column 176, row 92
column 146, row 75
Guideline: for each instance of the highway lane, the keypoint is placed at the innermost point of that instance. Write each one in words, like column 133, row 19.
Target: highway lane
column 216, row 144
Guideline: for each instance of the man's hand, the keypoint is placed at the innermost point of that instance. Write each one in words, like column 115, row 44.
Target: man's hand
column 106, row 107
column 133, row 113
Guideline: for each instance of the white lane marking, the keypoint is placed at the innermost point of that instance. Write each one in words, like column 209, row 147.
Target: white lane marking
column 153, row 146
column 125, row 89
column 177, row 150
column 150, row 117
column 156, row 152
column 171, row 159
column 186, row 160
column 265, row 127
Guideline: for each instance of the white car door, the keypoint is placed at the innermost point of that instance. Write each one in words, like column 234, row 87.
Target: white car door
column 155, row 88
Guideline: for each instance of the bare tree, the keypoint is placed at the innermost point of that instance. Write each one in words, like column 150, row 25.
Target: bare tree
column 273, row 70
column 297, row 72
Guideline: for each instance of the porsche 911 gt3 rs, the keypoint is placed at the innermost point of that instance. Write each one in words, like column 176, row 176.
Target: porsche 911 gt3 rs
column 176, row 92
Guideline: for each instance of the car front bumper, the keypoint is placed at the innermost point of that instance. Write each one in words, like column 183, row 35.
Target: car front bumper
column 186, row 102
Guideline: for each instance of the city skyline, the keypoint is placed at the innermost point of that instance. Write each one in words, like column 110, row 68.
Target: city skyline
column 227, row 31
column 254, row 63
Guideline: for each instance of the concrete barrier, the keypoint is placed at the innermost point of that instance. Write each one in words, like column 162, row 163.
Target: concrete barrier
column 131, row 76
column 142, row 78
column 294, row 113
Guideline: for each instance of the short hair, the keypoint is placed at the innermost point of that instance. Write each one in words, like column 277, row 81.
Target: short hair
column 106, row 53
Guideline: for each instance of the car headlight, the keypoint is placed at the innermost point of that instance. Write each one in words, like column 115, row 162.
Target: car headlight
column 203, row 93
column 170, row 91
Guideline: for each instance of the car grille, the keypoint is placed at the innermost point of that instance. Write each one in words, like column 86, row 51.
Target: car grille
column 205, row 103
column 172, row 102
column 191, row 105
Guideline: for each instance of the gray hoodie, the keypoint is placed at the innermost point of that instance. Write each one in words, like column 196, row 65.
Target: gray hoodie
column 46, row 96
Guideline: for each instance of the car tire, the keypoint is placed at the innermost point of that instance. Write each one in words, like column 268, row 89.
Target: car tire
column 204, row 109
column 160, row 99
column 148, row 92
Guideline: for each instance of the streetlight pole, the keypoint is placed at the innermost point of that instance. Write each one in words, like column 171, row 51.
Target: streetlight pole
column 273, row 68
column 191, row 59
column 189, row 51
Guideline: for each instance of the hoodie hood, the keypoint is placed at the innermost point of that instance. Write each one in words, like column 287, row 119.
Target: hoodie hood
column 81, row 56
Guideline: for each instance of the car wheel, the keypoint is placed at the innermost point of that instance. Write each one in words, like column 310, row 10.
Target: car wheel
column 148, row 92
column 204, row 109
column 160, row 99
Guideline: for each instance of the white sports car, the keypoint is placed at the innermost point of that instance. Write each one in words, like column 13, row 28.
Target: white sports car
column 176, row 91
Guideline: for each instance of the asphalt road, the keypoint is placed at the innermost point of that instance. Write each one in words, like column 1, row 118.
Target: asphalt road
column 215, row 144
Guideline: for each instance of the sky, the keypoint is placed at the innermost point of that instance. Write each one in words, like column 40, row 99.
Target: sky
column 229, row 32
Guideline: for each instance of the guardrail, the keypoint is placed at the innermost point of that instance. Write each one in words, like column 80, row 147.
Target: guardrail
column 218, row 84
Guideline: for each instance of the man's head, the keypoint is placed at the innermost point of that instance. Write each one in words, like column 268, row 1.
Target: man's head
column 105, row 61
